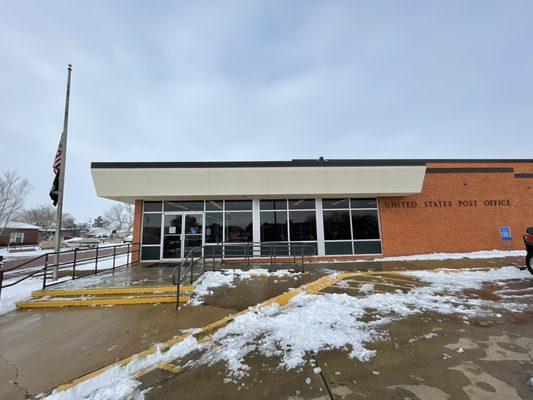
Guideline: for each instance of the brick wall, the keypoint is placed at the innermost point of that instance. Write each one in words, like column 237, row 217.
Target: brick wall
column 137, row 224
column 31, row 236
column 459, row 212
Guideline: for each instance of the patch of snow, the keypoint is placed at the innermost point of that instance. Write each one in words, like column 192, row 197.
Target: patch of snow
column 118, row 382
column 213, row 279
column 311, row 323
column 426, row 336
column 317, row 370
column 454, row 256
column 19, row 292
column 454, row 281
column 366, row 287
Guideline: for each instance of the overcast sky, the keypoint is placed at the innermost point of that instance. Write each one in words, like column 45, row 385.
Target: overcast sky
column 271, row 80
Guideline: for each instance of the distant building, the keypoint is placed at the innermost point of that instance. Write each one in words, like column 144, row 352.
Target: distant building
column 20, row 233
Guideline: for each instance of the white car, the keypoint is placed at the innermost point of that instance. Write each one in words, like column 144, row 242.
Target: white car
column 128, row 239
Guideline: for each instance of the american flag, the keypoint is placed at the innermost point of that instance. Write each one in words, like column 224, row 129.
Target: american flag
column 57, row 159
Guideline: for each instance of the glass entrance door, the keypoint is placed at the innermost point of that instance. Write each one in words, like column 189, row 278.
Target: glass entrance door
column 172, row 236
column 193, row 233
column 181, row 233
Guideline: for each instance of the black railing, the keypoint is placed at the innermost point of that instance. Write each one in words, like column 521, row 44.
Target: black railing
column 211, row 256
column 69, row 264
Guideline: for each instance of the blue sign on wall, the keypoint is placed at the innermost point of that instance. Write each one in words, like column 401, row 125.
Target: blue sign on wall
column 505, row 233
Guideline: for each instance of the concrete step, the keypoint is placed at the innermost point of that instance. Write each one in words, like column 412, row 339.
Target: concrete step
column 100, row 301
column 112, row 291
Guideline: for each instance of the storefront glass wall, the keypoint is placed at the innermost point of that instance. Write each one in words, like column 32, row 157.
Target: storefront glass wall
column 171, row 228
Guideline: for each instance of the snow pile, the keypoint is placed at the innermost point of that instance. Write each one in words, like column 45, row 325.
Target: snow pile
column 118, row 382
column 454, row 256
column 311, row 323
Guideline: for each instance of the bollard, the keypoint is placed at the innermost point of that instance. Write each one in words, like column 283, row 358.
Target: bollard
column 74, row 263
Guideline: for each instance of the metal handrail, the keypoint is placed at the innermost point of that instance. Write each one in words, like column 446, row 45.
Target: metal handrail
column 43, row 269
column 249, row 250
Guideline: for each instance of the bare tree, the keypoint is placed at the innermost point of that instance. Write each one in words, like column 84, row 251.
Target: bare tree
column 43, row 216
column 120, row 217
column 13, row 191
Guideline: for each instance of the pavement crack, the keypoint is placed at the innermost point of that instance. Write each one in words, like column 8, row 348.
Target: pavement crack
column 14, row 381
column 323, row 378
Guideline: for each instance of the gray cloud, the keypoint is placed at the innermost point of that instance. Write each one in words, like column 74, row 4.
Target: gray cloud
column 260, row 80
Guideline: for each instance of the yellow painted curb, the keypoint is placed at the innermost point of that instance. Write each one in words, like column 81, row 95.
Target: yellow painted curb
column 100, row 301
column 110, row 291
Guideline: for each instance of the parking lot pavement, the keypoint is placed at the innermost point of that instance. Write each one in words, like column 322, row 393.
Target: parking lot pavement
column 425, row 355
column 43, row 348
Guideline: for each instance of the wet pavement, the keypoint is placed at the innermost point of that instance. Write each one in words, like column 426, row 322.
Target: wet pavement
column 41, row 349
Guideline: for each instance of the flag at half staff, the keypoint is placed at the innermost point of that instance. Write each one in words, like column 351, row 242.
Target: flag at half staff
column 54, row 191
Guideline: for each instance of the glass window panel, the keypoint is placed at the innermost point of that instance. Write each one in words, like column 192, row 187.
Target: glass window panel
column 274, row 249
column 238, row 205
column 302, row 204
column 152, row 229
column 367, row 247
column 172, row 246
column 213, row 251
column 334, row 203
column 172, row 225
column 274, row 226
column 337, row 225
column 213, row 227
column 365, row 224
column 238, row 227
column 193, row 224
column 364, row 203
column 150, row 206
column 302, row 225
column 273, row 204
column 213, row 205
column 338, row 248
column 150, row 253
column 308, row 248
column 184, row 205
column 236, row 251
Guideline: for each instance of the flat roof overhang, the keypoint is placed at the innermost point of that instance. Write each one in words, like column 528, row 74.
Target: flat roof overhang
column 226, row 180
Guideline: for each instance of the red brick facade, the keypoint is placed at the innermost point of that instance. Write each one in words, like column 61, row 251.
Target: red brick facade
column 137, row 225
column 459, row 211
column 31, row 236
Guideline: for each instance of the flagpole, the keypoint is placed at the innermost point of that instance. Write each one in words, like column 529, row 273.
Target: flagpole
column 59, row 210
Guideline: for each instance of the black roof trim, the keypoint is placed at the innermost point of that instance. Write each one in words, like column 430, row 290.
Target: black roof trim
column 298, row 163
column 521, row 176
column 482, row 170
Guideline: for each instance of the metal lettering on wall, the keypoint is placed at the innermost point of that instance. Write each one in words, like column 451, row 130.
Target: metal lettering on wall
column 449, row 203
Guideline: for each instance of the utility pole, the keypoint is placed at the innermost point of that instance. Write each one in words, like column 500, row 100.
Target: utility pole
column 59, row 210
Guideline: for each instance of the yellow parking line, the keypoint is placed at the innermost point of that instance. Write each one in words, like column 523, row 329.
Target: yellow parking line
column 100, row 301
column 169, row 367
column 102, row 291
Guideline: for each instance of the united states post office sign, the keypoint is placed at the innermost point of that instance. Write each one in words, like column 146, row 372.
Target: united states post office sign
column 466, row 203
